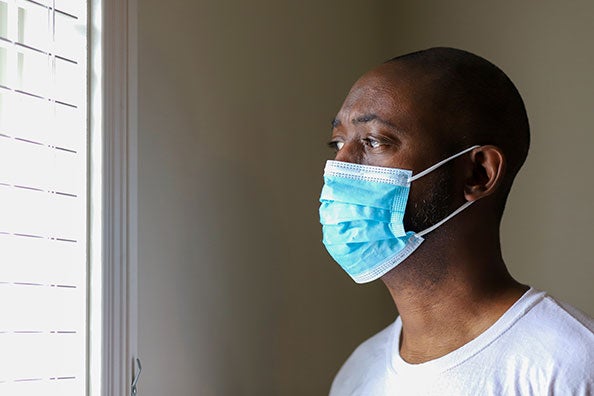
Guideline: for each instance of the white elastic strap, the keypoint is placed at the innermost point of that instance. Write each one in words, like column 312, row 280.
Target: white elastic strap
column 440, row 163
column 460, row 209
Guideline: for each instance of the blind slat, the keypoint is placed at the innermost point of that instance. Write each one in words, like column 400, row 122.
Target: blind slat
column 42, row 355
column 40, row 260
column 40, row 74
column 52, row 169
column 40, row 213
column 51, row 123
column 39, row 309
column 37, row 26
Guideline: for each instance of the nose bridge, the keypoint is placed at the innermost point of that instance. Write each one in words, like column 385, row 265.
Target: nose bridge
column 352, row 152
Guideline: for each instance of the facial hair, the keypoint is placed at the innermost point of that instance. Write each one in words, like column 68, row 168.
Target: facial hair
column 435, row 205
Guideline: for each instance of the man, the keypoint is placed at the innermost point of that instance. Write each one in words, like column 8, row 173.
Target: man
column 465, row 326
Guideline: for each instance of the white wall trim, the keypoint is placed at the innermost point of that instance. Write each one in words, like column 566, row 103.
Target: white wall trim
column 117, row 125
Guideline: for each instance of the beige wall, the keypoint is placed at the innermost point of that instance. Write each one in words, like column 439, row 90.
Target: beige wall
column 237, row 296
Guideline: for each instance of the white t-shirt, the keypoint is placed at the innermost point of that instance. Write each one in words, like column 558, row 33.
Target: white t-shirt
column 538, row 347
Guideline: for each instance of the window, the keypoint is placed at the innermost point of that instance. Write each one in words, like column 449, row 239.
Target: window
column 67, row 197
column 43, row 197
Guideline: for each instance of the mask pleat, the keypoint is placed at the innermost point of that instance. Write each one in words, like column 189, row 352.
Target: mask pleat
column 342, row 212
column 357, row 231
column 367, row 254
column 356, row 192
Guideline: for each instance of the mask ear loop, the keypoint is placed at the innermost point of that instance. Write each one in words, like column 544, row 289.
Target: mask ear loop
column 440, row 163
column 432, row 168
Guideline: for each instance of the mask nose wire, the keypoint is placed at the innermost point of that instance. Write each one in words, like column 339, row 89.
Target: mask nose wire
column 440, row 163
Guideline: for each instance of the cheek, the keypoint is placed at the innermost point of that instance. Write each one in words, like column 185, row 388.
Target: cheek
column 438, row 188
column 390, row 156
column 350, row 152
column 430, row 201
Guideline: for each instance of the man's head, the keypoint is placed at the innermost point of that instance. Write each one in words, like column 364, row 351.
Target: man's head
column 419, row 108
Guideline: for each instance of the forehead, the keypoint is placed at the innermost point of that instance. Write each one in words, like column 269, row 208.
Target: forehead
column 394, row 93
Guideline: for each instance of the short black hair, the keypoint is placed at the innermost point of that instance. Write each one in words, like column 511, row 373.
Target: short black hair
column 480, row 104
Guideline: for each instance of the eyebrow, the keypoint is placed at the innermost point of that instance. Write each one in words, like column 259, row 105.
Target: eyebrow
column 365, row 118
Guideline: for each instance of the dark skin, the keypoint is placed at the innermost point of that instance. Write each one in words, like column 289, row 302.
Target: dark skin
column 456, row 284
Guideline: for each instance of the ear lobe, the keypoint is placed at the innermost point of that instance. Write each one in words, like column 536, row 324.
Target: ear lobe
column 486, row 174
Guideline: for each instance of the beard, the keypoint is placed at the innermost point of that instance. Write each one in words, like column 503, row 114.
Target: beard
column 436, row 203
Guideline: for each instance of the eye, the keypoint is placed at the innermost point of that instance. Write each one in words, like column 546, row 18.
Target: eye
column 371, row 142
column 336, row 145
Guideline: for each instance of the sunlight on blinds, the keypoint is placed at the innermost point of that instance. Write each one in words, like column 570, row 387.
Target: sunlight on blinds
column 43, row 197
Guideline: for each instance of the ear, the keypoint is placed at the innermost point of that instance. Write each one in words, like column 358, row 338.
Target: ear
column 486, row 172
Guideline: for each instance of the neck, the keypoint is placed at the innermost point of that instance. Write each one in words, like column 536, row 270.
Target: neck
column 447, row 299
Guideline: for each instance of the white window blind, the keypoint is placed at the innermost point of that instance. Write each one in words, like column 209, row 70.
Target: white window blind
column 43, row 197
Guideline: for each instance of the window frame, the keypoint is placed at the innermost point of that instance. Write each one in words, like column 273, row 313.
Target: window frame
column 113, row 256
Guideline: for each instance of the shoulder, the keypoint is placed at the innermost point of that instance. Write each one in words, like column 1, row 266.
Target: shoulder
column 579, row 319
column 563, row 330
column 367, row 364
column 554, row 341
column 552, row 320
column 538, row 347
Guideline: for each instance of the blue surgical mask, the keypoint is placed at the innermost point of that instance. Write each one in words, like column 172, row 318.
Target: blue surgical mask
column 362, row 213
